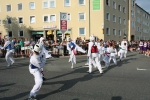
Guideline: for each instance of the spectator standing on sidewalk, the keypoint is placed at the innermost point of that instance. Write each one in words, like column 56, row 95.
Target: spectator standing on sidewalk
column 26, row 44
column 21, row 45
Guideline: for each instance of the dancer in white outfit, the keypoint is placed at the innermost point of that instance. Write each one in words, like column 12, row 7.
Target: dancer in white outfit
column 106, row 56
column 123, row 51
column 9, row 55
column 35, row 69
column 101, row 50
column 122, row 44
column 113, row 53
column 93, row 54
column 72, row 47
column 44, row 54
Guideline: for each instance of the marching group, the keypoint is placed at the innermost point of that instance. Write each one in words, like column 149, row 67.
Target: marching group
column 96, row 50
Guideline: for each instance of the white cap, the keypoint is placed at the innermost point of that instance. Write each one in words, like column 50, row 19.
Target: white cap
column 41, row 39
column 92, row 38
column 38, row 48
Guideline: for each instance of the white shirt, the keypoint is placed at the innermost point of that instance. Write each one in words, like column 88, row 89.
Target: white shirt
column 122, row 43
column 36, row 61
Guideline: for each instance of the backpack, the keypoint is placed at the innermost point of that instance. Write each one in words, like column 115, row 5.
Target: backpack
column 94, row 49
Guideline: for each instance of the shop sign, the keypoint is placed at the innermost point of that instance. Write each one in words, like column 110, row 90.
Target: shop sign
column 63, row 22
column 50, row 27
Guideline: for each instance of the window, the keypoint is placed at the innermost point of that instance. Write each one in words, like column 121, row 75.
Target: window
column 81, row 31
column 119, row 7
column 137, row 29
column 119, row 33
column 0, row 8
column 52, row 18
column 132, row 13
column 81, row 2
column 133, row 3
column 124, row 21
column 124, row 10
column 32, row 5
column 20, row 20
column 9, row 20
column 32, row 19
column 8, row 8
column 114, row 4
column 66, row 2
column 21, row 33
column 108, row 2
column 81, row 16
column 132, row 24
column 45, row 18
column 114, row 18
column 69, row 16
column 119, row 20
column 45, row 4
column 19, row 6
column 114, row 31
column 107, row 16
column 52, row 3
column 107, row 31
column 10, row 33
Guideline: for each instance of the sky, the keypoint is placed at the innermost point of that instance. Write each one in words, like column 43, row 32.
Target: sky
column 145, row 4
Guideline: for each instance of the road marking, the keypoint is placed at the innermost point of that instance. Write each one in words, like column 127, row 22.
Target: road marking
column 142, row 69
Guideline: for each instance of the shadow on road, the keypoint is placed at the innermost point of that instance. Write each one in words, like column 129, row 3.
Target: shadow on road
column 4, row 90
column 120, row 63
column 67, row 84
column 20, row 95
column 7, row 85
column 116, row 98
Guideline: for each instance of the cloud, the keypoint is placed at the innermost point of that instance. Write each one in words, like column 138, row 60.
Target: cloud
column 145, row 4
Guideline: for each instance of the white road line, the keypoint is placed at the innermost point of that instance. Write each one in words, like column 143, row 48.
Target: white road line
column 142, row 69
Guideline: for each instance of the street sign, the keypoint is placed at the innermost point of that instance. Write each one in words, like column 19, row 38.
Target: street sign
column 63, row 22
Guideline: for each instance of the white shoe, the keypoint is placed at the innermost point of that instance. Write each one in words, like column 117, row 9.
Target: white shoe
column 8, row 65
column 101, row 72
column 72, row 67
column 12, row 62
column 86, row 64
column 88, row 72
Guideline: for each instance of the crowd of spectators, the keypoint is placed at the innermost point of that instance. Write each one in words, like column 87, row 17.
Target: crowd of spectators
column 57, row 47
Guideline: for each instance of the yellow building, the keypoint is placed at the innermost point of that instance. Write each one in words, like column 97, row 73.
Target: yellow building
column 107, row 19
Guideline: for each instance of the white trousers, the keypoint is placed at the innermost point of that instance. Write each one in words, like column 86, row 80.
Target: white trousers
column 122, row 54
column 114, row 59
column 9, row 57
column 101, row 56
column 72, row 58
column 38, row 81
column 94, row 57
column 106, row 60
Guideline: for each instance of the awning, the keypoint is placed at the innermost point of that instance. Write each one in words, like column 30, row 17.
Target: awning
column 67, row 32
column 37, row 32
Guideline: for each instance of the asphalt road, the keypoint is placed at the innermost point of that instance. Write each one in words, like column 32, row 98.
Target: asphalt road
column 129, row 80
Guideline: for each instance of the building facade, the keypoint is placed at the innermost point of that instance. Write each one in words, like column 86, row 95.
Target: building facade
column 107, row 19
column 142, row 24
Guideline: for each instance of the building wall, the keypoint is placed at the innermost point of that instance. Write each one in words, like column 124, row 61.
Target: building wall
column 142, row 24
column 74, row 9
column 116, row 25
column 132, row 18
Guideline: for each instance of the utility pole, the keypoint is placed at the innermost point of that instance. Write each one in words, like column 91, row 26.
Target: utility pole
column 89, row 18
